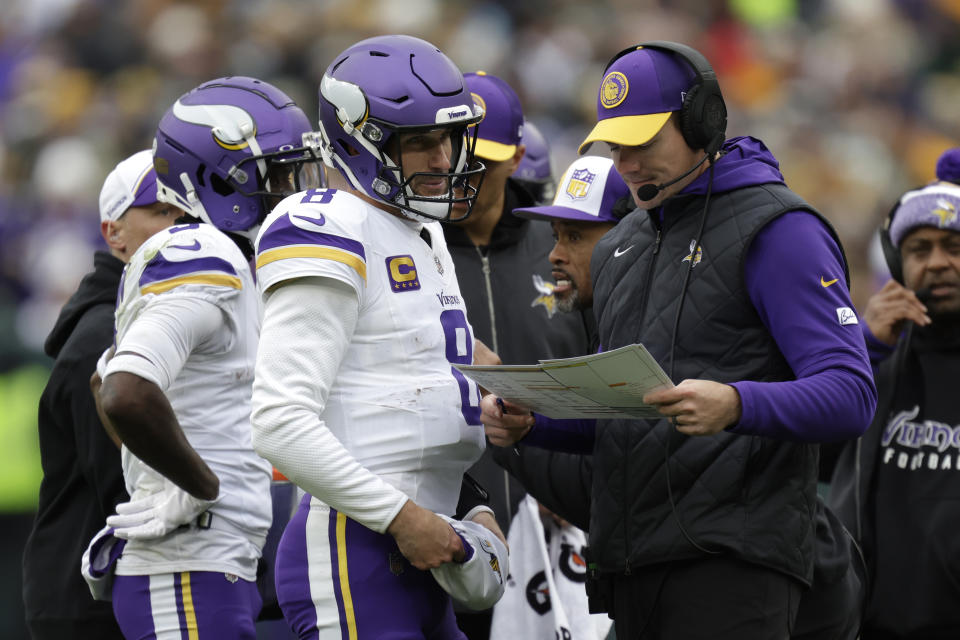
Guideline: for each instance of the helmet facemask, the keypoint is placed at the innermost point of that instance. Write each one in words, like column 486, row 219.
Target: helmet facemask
column 393, row 186
column 462, row 180
column 386, row 89
column 279, row 174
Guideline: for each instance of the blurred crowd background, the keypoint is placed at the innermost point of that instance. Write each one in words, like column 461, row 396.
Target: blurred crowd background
column 856, row 98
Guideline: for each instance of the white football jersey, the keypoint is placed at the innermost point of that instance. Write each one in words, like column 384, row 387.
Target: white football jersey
column 210, row 396
column 396, row 405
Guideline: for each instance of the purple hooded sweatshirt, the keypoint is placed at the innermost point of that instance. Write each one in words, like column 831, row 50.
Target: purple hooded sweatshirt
column 833, row 397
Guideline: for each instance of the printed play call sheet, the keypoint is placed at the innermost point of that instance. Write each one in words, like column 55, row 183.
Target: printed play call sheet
column 604, row 385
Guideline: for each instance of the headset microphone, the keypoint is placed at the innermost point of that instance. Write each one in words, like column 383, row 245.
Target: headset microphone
column 648, row 192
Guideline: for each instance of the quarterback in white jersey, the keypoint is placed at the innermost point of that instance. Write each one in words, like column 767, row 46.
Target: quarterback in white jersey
column 355, row 398
column 396, row 406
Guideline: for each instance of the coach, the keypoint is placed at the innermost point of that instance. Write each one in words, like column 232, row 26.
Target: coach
column 702, row 521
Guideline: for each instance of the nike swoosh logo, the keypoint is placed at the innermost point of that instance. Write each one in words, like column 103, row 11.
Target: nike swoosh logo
column 317, row 221
column 826, row 283
column 617, row 253
column 186, row 247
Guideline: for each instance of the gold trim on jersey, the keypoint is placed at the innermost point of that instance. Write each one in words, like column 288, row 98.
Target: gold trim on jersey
column 217, row 280
column 352, row 260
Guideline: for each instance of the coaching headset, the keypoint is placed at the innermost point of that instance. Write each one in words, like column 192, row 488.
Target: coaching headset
column 703, row 116
column 890, row 253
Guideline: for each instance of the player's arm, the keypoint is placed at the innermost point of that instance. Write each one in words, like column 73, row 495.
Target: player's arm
column 307, row 327
column 144, row 421
column 149, row 357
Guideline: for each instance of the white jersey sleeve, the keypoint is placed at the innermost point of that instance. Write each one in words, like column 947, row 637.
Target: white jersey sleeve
column 291, row 388
column 167, row 331
column 314, row 233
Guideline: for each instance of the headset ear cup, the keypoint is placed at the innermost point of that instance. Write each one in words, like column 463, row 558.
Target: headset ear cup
column 892, row 256
column 713, row 117
column 689, row 124
column 703, row 118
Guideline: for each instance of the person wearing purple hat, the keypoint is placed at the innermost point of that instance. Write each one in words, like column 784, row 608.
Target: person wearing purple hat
column 502, row 266
column 175, row 388
column 82, row 477
column 535, row 171
column 355, row 399
column 739, row 289
column 895, row 487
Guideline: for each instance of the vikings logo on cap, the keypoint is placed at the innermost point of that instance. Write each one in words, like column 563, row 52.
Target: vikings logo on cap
column 579, row 185
column 614, row 89
column 946, row 211
column 477, row 100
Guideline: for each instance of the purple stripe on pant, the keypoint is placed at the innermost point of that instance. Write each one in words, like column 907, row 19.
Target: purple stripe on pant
column 215, row 605
column 389, row 598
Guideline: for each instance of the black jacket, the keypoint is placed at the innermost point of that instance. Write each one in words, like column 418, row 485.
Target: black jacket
column 895, row 488
column 510, row 314
column 659, row 495
column 82, row 476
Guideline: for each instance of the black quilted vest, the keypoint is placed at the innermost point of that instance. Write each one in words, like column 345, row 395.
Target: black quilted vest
column 745, row 496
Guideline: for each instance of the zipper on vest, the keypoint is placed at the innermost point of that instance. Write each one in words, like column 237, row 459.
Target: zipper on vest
column 485, row 269
column 643, row 313
column 650, row 271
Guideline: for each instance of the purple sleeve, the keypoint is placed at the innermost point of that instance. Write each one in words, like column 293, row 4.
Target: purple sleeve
column 569, row 435
column 795, row 278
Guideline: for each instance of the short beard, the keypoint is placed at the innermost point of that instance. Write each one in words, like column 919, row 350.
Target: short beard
column 570, row 302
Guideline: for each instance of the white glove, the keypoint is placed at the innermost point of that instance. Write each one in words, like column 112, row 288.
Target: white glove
column 157, row 514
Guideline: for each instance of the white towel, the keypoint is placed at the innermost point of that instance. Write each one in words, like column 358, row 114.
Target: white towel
column 544, row 597
column 99, row 562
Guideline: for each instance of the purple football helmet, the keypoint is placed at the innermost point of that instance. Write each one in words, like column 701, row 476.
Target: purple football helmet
column 535, row 170
column 396, row 84
column 227, row 151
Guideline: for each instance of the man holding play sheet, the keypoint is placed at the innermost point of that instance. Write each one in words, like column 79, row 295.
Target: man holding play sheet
column 737, row 287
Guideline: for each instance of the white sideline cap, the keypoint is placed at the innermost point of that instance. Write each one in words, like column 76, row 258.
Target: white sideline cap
column 477, row 583
column 133, row 182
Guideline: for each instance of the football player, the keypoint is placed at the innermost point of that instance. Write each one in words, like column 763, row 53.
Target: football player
column 355, row 399
column 82, row 478
column 177, row 388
